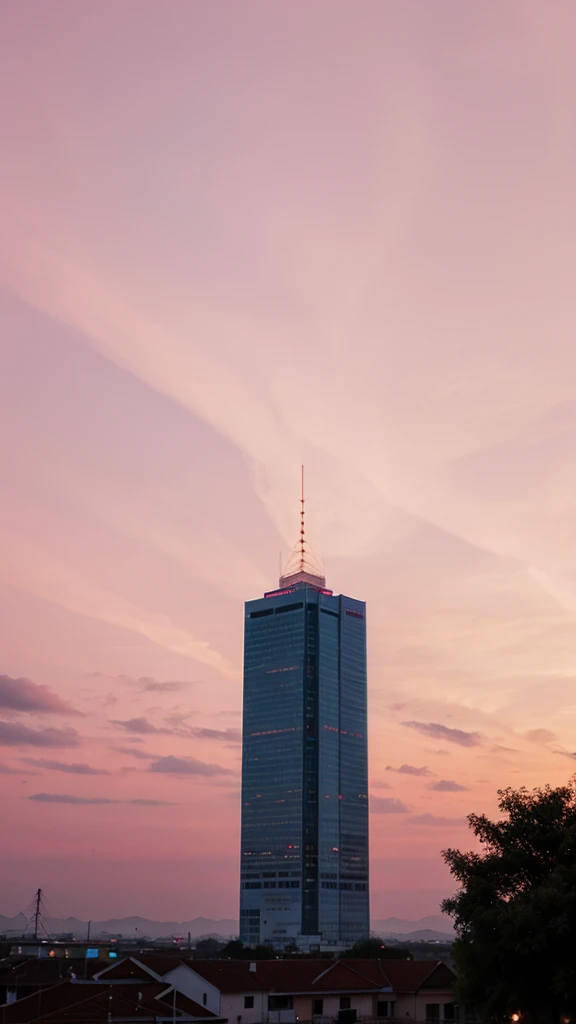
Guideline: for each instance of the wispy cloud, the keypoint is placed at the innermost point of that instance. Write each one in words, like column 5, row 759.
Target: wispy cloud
column 151, row 686
column 146, row 683
column 187, row 766
column 231, row 735
column 24, row 695
column 433, row 821
column 443, row 732
column 446, row 786
column 540, row 736
column 61, row 766
column 387, row 805
column 12, row 734
column 151, row 803
column 67, row 798
column 141, row 755
column 60, row 583
column 142, row 726
column 409, row 769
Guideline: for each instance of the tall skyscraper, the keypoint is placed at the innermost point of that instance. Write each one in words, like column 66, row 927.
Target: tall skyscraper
column 304, row 844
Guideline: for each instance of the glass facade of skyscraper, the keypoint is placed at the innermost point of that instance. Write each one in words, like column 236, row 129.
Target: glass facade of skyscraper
column 304, row 844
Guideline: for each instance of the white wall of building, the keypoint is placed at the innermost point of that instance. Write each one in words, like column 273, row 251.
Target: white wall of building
column 195, row 987
column 408, row 1006
column 413, row 1005
column 304, row 1005
column 237, row 1013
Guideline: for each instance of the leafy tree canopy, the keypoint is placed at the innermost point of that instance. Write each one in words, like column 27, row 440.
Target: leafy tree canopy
column 515, row 910
column 291, row 947
column 208, row 947
column 234, row 950
column 262, row 953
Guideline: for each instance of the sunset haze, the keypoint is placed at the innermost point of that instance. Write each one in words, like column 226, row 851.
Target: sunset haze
column 237, row 238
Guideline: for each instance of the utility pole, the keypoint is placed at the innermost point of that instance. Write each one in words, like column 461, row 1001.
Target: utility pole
column 37, row 914
column 88, row 935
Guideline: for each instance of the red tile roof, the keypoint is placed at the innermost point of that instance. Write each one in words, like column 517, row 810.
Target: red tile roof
column 232, row 975
column 34, row 971
column 404, row 976
column 347, row 976
column 315, row 975
column 161, row 965
column 75, row 1002
column 139, row 967
column 292, row 976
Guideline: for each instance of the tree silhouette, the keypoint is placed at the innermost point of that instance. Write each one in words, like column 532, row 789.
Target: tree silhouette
column 374, row 949
column 515, row 911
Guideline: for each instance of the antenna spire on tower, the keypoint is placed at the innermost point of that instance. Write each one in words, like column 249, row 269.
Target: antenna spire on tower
column 302, row 565
column 302, row 525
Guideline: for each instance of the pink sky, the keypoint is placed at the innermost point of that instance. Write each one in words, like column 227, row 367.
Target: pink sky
column 238, row 237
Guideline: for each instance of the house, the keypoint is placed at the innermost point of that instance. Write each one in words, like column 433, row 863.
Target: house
column 79, row 1002
column 423, row 989
column 285, row 991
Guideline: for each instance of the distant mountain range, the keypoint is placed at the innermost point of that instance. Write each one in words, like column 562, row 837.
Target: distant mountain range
column 433, row 927
column 427, row 928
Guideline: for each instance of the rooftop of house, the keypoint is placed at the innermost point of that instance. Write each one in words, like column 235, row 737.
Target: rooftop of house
column 291, row 976
column 294, row 976
column 136, row 967
column 25, row 970
column 78, row 1002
